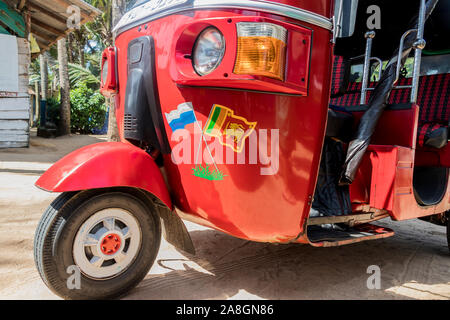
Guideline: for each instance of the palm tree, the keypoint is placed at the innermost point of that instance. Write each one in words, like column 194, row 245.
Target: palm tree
column 101, row 28
column 65, row 87
column 79, row 75
column 84, row 55
column 118, row 9
column 113, row 10
column 44, row 75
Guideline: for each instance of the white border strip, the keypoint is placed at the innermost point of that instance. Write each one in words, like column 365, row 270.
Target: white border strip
column 146, row 13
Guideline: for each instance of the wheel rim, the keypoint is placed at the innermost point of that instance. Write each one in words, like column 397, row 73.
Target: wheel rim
column 107, row 243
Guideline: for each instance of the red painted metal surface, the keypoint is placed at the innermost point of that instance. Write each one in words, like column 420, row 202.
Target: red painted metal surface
column 391, row 170
column 385, row 178
column 322, row 7
column 298, row 56
column 110, row 244
column 396, row 127
column 245, row 204
column 109, row 84
column 104, row 165
column 426, row 156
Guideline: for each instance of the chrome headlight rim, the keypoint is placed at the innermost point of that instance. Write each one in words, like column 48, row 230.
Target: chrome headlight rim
column 195, row 47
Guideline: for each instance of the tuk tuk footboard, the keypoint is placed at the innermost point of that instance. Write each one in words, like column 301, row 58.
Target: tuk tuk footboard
column 385, row 181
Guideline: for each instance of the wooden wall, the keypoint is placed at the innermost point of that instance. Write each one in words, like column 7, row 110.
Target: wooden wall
column 15, row 107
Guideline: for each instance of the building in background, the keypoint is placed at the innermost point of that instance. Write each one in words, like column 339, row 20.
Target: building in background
column 40, row 23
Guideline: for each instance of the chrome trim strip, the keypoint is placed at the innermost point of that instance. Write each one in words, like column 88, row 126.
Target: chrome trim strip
column 369, row 35
column 418, row 51
column 337, row 20
column 141, row 14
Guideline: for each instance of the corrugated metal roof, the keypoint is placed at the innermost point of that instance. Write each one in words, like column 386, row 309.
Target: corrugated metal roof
column 48, row 19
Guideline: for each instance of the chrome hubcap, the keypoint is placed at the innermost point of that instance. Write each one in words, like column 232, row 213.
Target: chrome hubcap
column 107, row 243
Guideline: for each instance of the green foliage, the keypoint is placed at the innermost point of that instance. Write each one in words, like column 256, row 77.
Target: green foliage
column 88, row 111
column 82, row 77
column 54, row 111
column 205, row 173
column 35, row 72
column 85, row 47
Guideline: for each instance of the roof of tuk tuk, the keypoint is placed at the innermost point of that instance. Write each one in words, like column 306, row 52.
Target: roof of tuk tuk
column 395, row 18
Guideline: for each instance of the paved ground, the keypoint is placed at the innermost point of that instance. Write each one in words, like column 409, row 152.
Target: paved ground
column 415, row 264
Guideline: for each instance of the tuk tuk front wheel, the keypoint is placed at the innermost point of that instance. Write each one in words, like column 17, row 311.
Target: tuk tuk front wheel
column 448, row 230
column 94, row 245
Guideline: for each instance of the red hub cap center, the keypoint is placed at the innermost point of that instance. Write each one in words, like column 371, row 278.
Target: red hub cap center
column 110, row 244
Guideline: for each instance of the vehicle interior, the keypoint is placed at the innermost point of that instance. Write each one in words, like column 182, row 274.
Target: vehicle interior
column 397, row 126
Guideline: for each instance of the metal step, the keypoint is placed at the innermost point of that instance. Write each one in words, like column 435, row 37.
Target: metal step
column 351, row 220
column 333, row 237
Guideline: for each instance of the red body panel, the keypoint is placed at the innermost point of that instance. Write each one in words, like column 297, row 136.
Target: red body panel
column 106, row 165
column 385, row 177
column 298, row 57
column 390, row 171
column 245, row 204
column 426, row 156
column 396, row 127
column 322, row 7
column 109, row 85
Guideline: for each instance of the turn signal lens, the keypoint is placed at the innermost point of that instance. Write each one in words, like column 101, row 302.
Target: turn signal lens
column 261, row 49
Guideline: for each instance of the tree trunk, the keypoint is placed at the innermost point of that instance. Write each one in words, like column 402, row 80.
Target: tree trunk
column 70, row 43
column 118, row 9
column 44, row 76
column 82, row 58
column 80, row 42
column 38, row 104
column 64, row 126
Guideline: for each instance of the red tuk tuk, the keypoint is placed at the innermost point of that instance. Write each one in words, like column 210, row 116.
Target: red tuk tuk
column 270, row 120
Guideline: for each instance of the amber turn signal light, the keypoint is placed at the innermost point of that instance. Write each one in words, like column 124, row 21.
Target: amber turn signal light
column 261, row 49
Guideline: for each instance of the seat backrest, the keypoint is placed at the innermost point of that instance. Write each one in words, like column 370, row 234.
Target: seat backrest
column 433, row 97
column 352, row 95
column 341, row 73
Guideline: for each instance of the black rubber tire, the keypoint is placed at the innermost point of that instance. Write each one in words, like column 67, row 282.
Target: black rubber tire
column 53, row 244
column 448, row 230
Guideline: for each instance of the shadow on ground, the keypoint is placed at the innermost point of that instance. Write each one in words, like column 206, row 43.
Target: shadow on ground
column 414, row 264
column 226, row 267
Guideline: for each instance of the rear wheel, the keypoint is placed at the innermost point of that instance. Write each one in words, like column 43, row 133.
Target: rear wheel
column 109, row 239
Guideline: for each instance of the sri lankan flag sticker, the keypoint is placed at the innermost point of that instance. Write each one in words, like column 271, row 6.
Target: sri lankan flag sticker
column 231, row 129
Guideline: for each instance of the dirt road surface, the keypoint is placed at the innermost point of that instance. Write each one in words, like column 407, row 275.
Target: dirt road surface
column 414, row 264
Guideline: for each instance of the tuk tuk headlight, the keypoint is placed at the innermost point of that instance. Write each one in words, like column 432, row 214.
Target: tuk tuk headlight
column 208, row 51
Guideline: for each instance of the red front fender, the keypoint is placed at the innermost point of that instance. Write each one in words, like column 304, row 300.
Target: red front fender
column 105, row 165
